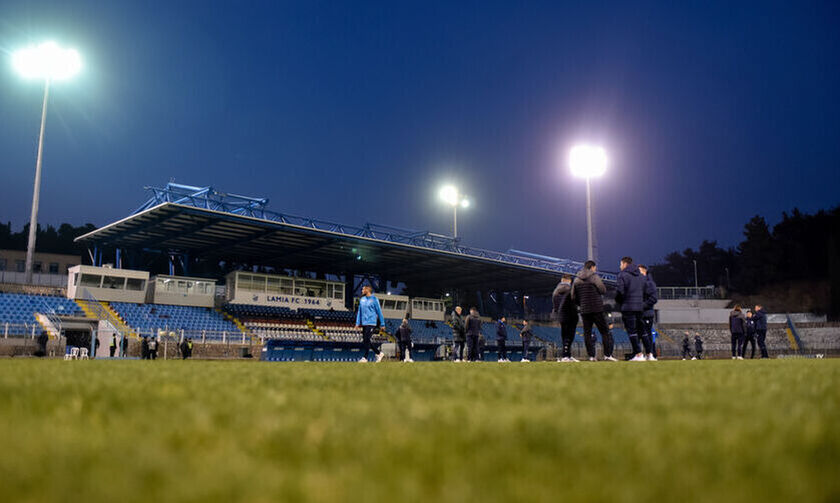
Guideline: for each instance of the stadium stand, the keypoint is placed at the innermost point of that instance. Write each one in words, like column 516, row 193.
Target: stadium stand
column 149, row 317
column 18, row 308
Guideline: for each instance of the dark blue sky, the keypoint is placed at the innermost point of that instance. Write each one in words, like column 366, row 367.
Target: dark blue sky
column 357, row 111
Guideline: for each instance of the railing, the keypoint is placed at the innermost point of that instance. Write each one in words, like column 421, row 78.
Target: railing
column 105, row 315
column 38, row 278
column 20, row 330
column 687, row 292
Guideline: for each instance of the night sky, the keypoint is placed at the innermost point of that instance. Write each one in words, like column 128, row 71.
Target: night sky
column 359, row 111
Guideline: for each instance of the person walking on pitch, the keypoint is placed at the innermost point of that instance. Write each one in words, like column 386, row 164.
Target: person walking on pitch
column 369, row 317
column 404, row 340
column 501, row 339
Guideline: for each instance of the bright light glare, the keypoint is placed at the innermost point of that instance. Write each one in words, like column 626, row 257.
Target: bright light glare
column 47, row 61
column 588, row 161
column 465, row 203
column 449, row 194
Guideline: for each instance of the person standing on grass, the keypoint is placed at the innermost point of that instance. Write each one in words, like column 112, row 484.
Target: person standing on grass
column 153, row 347
column 587, row 291
column 459, row 335
column 43, row 339
column 124, row 346
column 526, row 334
column 698, row 346
column 737, row 328
column 630, row 288
column 144, row 348
column 686, row 348
column 501, row 338
column 749, row 337
column 649, row 300
column 473, row 331
column 564, row 311
column 761, row 329
column 113, row 347
column 369, row 317
column 404, row 339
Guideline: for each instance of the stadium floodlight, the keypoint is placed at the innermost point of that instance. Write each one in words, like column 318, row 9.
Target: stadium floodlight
column 450, row 195
column 47, row 62
column 588, row 161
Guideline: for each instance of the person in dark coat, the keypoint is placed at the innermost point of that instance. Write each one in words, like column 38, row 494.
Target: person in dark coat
column 526, row 334
column 501, row 339
column 144, row 348
column 124, row 346
column 698, row 346
column 587, row 290
column 630, row 295
column 564, row 311
column 473, row 331
column 737, row 329
column 43, row 339
column 749, row 337
column 686, row 348
column 404, row 339
column 112, row 348
column 760, row 318
column 459, row 335
column 649, row 300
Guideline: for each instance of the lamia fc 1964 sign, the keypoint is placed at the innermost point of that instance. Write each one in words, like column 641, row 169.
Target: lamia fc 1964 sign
column 290, row 301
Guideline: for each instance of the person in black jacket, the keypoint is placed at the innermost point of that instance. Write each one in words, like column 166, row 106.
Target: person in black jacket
column 587, row 290
column 737, row 328
column 124, row 346
column 144, row 348
column 565, row 312
column 459, row 336
column 113, row 347
column 43, row 339
column 686, row 348
column 526, row 334
column 473, row 330
column 698, row 346
column 649, row 300
column 404, row 339
column 630, row 292
column 749, row 337
column 761, row 329
column 501, row 339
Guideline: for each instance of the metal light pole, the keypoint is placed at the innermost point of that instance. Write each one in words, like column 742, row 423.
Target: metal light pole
column 36, row 193
column 47, row 62
column 450, row 195
column 587, row 162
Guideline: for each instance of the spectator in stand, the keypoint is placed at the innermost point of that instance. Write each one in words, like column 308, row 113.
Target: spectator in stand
column 370, row 319
column 404, row 339
column 761, row 329
column 737, row 328
column 749, row 336
column 564, row 311
column 501, row 338
column 473, row 330
column 630, row 288
column 587, row 291
column 686, row 348
column 459, row 336
column 648, row 314
column 698, row 346
column 526, row 334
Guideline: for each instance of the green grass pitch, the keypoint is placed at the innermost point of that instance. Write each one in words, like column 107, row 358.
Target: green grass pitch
column 130, row 431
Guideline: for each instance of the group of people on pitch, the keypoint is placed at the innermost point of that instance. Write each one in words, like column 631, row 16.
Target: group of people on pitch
column 466, row 331
column 748, row 329
column 581, row 298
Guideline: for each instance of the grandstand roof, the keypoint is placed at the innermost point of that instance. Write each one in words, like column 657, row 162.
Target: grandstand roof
column 207, row 227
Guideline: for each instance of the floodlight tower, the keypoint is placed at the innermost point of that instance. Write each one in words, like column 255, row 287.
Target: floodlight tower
column 47, row 62
column 587, row 161
column 450, row 195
